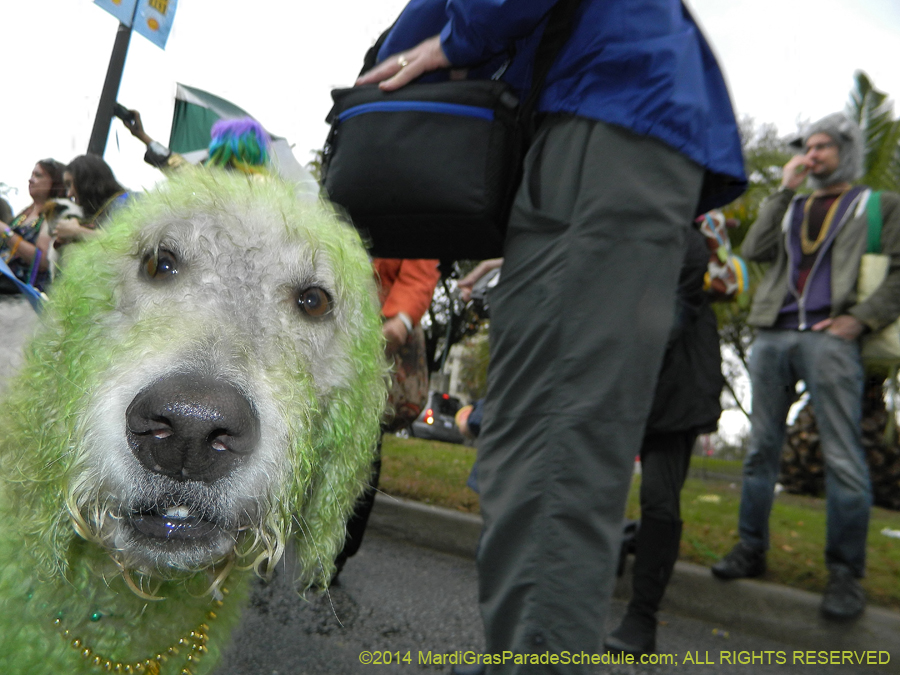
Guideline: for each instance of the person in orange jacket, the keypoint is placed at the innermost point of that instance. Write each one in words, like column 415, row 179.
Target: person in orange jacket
column 405, row 288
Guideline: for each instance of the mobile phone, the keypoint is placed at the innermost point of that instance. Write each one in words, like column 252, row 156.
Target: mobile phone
column 123, row 113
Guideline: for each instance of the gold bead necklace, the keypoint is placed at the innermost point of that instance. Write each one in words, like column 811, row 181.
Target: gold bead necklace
column 806, row 245
column 194, row 643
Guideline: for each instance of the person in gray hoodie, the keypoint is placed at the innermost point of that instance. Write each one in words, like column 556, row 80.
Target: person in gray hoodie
column 810, row 324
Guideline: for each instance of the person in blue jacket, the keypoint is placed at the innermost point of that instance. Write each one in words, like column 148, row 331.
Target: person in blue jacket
column 636, row 136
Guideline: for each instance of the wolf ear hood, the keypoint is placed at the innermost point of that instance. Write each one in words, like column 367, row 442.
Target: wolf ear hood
column 848, row 136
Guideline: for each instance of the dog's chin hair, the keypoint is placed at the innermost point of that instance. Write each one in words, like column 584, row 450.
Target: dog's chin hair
column 160, row 560
column 249, row 544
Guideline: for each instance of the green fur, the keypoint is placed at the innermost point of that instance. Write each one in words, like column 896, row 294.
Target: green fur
column 46, row 570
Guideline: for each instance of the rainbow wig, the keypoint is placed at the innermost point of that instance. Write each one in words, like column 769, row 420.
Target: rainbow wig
column 240, row 144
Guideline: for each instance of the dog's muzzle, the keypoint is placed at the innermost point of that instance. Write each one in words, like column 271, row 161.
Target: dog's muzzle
column 191, row 427
column 190, row 433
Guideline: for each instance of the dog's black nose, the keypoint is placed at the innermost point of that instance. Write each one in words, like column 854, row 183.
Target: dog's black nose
column 191, row 427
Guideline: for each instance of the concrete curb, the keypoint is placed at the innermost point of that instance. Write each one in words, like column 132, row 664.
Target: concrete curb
column 768, row 610
column 429, row 526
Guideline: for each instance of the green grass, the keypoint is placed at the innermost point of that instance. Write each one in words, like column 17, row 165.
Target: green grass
column 797, row 530
column 701, row 466
column 436, row 473
column 428, row 471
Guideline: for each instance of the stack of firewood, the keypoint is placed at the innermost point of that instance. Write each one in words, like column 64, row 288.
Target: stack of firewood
column 802, row 467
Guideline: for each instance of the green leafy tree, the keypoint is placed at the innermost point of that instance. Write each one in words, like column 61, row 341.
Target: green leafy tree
column 474, row 364
column 314, row 166
column 874, row 112
column 765, row 152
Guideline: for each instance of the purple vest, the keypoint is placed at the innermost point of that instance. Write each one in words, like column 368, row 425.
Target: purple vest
column 800, row 311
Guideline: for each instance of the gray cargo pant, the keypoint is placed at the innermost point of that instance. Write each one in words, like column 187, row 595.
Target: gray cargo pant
column 579, row 325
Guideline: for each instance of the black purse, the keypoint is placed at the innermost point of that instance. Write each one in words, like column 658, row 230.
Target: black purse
column 431, row 170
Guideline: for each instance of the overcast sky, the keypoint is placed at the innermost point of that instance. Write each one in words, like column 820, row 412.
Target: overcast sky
column 784, row 59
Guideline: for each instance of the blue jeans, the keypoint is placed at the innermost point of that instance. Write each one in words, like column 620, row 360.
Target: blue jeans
column 832, row 370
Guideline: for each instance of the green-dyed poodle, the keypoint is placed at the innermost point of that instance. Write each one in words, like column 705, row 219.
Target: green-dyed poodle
column 207, row 381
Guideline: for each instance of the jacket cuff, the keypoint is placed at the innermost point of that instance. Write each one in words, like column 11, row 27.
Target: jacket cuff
column 866, row 319
column 782, row 195
column 406, row 321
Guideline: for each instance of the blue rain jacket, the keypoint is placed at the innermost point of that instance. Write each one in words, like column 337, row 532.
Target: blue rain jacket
column 641, row 64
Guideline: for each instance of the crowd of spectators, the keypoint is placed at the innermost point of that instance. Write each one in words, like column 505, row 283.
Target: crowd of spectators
column 69, row 203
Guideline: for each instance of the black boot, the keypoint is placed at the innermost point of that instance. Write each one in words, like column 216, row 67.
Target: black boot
column 654, row 559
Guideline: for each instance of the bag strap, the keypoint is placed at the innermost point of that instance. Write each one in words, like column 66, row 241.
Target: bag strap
column 370, row 60
column 873, row 215
column 556, row 34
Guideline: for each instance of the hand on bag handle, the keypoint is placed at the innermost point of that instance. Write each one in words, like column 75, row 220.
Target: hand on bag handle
column 401, row 69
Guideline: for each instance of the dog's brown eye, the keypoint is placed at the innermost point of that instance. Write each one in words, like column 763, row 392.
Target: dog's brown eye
column 160, row 264
column 314, row 301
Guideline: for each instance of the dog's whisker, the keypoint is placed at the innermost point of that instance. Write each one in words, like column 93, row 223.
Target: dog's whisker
column 217, row 583
column 333, row 610
column 81, row 388
column 49, row 464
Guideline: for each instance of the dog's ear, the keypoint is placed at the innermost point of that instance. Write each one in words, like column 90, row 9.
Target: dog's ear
column 346, row 442
column 346, row 434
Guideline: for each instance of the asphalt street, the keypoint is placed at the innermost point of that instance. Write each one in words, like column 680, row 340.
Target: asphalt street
column 396, row 598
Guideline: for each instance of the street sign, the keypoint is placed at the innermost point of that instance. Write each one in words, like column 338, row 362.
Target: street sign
column 150, row 18
column 154, row 20
column 123, row 10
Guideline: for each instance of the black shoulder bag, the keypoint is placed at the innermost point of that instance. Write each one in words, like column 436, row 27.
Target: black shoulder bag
column 430, row 170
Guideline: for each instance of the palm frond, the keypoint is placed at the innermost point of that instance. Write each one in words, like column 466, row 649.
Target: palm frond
column 873, row 110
